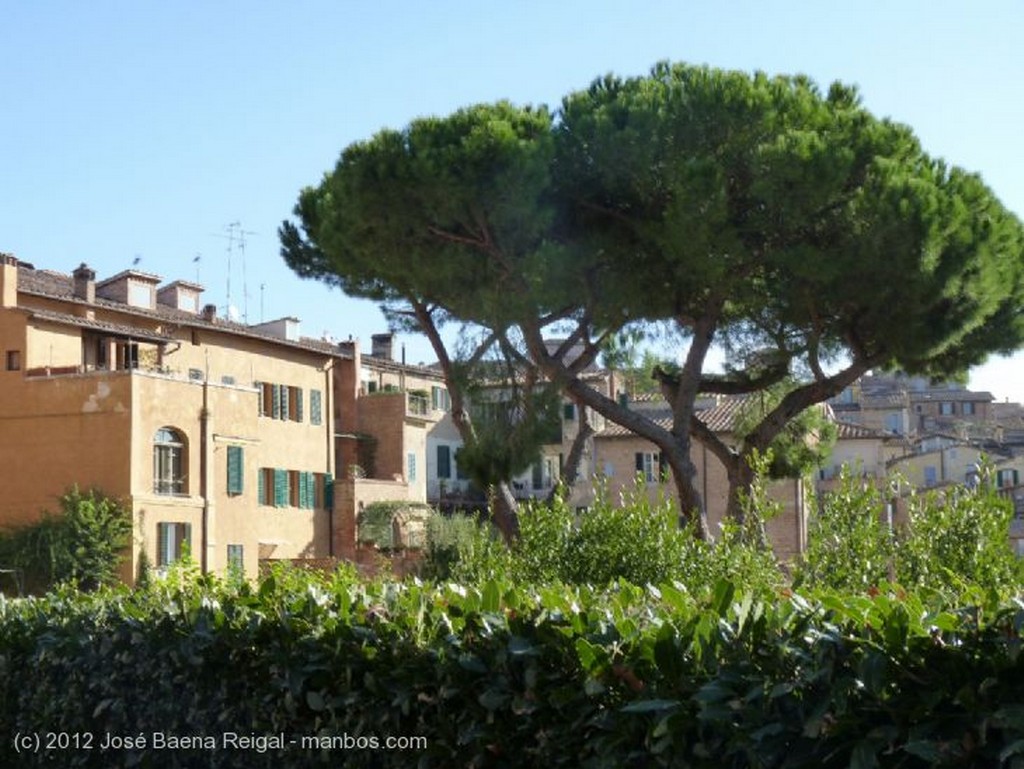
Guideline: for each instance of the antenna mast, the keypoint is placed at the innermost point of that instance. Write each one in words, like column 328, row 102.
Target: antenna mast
column 235, row 234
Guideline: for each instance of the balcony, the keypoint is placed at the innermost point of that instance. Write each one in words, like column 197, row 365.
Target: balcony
column 417, row 405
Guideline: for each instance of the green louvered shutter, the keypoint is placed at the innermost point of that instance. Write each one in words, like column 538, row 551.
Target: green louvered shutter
column 299, row 395
column 280, row 487
column 328, row 491
column 315, row 407
column 283, row 398
column 235, row 462
column 275, row 401
column 261, row 487
column 444, row 461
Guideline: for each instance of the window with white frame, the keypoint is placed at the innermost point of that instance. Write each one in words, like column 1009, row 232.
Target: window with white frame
column 648, row 465
column 169, row 462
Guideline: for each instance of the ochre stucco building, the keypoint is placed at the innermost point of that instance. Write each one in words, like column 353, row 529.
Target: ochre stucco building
column 236, row 442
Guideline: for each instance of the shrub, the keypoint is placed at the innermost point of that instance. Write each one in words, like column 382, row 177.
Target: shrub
column 850, row 546
column 461, row 548
column 956, row 541
column 499, row 674
column 83, row 545
column 959, row 538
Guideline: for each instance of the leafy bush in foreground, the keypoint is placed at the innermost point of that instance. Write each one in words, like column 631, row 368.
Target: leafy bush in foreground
column 635, row 540
column 956, row 539
column 503, row 675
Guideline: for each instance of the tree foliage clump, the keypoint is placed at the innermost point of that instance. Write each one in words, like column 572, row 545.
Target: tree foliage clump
column 809, row 238
column 84, row 544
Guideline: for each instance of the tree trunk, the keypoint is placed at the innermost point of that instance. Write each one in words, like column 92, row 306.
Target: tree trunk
column 571, row 471
column 505, row 511
column 502, row 504
column 691, row 504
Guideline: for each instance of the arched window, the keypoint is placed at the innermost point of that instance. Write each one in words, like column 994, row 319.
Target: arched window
column 169, row 462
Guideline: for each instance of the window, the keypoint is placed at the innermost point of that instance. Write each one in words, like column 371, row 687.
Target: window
column 967, row 409
column 931, row 475
column 893, row 423
column 140, row 295
column 169, row 462
column 411, row 464
column 328, row 491
column 440, row 400
column 228, row 380
column 273, row 487
column 195, row 374
column 321, row 482
column 14, row 360
column 444, row 462
column 649, row 465
column 236, row 560
column 294, row 403
column 946, row 408
column 543, row 473
column 1007, row 477
column 236, row 461
column 128, row 355
column 300, row 489
column 173, row 542
column 315, row 407
column 569, row 412
column 279, row 401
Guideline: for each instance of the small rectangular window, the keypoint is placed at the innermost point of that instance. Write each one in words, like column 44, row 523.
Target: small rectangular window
column 411, row 463
column 173, row 541
column 315, row 407
column 195, row 374
column 649, row 465
column 569, row 412
column 14, row 360
column 967, row 408
column 228, row 380
column 236, row 560
column 444, row 462
column 440, row 400
column 235, row 470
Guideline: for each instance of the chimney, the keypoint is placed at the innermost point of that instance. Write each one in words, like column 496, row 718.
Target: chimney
column 382, row 344
column 209, row 312
column 84, row 283
column 8, row 281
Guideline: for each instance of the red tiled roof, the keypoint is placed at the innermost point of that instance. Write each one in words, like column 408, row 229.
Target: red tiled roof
column 55, row 285
column 720, row 418
column 847, row 431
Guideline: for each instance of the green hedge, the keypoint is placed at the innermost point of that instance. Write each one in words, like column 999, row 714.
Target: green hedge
column 504, row 675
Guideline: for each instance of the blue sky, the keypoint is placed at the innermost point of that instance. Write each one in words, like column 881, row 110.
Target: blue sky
column 141, row 130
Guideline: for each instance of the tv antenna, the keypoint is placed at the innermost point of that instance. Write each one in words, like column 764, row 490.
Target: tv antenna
column 235, row 236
